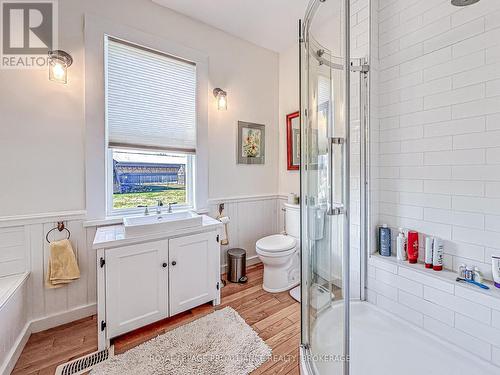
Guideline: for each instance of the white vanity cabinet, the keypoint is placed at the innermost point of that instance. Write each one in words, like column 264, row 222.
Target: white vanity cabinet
column 193, row 270
column 136, row 286
column 143, row 282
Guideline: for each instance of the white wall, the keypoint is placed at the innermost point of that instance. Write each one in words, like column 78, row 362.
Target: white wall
column 439, row 119
column 42, row 132
column 289, row 181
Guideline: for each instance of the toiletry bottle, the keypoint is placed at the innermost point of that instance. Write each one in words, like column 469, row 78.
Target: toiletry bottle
column 401, row 245
column 478, row 277
column 412, row 246
column 385, row 240
column 469, row 273
column 495, row 268
column 428, row 251
column 437, row 254
column 461, row 270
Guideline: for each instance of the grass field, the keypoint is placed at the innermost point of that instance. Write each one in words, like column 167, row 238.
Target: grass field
column 132, row 200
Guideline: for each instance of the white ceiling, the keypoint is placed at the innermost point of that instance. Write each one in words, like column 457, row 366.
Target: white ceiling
column 272, row 24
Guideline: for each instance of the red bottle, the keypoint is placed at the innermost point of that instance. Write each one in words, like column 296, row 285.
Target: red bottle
column 412, row 246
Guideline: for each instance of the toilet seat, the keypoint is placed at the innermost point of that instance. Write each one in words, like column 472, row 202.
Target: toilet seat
column 276, row 245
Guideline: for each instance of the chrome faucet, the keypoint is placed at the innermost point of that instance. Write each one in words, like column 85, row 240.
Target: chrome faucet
column 159, row 205
column 146, row 211
column 170, row 206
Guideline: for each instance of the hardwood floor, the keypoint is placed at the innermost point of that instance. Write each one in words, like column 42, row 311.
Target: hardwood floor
column 275, row 317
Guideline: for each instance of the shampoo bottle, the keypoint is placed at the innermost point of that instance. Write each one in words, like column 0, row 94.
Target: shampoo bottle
column 401, row 245
column 437, row 255
column 385, row 240
column 412, row 246
column 429, row 241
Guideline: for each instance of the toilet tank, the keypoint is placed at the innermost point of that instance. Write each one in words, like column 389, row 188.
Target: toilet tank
column 292, row 219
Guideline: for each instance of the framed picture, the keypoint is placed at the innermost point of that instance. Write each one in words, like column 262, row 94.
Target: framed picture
column 251, row 143
column 293, row 141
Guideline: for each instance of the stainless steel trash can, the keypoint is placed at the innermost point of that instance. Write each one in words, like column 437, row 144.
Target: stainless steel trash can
column 236, row 260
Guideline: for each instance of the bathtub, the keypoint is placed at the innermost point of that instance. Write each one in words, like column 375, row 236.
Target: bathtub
column 384, row 344
column 13, row 319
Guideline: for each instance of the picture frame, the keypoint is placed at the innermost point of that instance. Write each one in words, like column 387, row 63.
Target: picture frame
column 251, row 143
column 293, row 141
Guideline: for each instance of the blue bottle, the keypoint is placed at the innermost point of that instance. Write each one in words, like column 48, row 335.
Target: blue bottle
column 384, row 238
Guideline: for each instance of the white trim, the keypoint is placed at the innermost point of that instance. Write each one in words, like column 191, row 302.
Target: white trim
column 16, row 350
column 95, row 30
column 243, row 198
column 64, row 317
column 9, row 221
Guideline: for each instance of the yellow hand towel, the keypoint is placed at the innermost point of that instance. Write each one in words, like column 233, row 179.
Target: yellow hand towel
column 62, row 268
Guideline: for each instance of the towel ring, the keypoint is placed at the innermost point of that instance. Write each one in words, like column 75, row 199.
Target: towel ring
column 60, row 227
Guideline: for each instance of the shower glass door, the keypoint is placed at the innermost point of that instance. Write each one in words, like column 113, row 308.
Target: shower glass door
column 324, row 148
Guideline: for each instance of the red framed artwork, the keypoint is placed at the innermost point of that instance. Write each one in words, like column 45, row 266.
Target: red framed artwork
column 293, row 141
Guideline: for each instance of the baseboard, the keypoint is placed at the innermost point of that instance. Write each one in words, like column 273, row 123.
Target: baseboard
column 16, row 350
column 41, row 325
column 250, row 262
column 58, row 319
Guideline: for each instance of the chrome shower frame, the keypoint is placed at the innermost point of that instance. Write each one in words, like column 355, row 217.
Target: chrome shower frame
column 348, row 65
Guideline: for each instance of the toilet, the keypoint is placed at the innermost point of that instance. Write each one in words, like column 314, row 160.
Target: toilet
column 280, row 254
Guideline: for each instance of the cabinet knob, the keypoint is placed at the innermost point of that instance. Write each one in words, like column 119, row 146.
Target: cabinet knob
column 164, row 265
column 174, row 263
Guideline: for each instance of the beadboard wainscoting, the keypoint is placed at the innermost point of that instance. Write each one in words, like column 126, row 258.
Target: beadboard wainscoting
column 24, row 249
column 463, row 315
column 251, row 219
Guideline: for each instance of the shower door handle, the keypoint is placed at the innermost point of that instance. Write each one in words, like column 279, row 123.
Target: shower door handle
column 333, row 210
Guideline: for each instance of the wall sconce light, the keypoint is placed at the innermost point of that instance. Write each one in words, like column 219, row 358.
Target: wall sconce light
column 59, row 61
column 221, row 97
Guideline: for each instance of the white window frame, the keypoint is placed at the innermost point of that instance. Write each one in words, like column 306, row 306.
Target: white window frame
column 95, row 31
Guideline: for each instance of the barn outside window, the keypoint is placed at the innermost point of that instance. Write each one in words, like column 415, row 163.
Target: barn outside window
column 151, row 128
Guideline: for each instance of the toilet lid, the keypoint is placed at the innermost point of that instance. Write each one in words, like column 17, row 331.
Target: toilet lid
column 276, row 243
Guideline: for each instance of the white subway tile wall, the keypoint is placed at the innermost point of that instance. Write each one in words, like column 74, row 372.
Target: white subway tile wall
column 439, row 111
column 460, row 314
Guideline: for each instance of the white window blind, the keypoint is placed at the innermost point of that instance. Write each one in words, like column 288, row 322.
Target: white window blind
column 151, row 99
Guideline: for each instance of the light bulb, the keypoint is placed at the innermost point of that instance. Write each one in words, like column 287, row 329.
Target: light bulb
column 222, row 103
column 220, row 99
column 59, row 71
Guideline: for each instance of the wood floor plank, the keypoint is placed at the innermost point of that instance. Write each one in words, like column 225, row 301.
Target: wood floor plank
column 262, row 324
column 281, row 354
column 274, row 328
column 275, row 317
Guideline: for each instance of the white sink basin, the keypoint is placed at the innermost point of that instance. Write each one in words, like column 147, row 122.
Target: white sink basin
column 163, row 223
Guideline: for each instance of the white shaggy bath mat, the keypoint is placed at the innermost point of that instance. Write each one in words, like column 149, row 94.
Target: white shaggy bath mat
column 219, row 343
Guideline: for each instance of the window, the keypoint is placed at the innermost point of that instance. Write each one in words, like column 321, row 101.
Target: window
column 151, row 127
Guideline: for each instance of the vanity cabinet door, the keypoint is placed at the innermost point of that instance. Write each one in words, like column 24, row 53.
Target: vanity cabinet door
column 136, row 286
column 193, row 271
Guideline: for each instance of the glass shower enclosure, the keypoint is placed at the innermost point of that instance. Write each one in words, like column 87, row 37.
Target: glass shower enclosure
column 325, row 94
